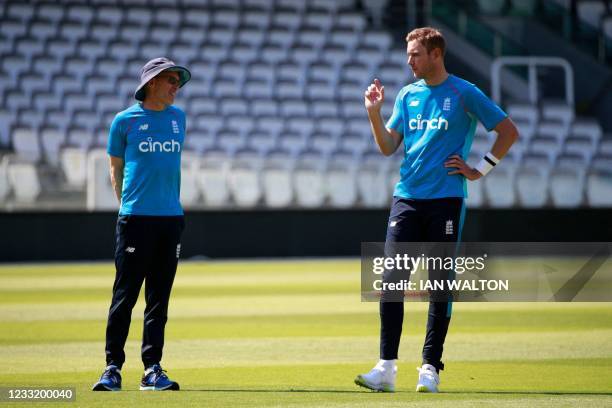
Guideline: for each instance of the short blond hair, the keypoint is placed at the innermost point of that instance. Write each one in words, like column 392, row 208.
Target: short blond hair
column 429, row 37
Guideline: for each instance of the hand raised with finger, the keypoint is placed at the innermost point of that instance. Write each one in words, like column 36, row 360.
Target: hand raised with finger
column 374, row 96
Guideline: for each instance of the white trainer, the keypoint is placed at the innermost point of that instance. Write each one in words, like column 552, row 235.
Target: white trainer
column 428, row 379
column 380, row 378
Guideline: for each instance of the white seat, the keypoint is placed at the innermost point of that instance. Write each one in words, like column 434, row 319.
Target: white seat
column 599, row 188
column 376, row 8
column 23, row 12
column 289, row 20
column 309, row 187
column 499, row 186
column 24, row 181
column 251, row 36
column 344, row 38
column 524, row 112
column 325, row 108
column 261, row 140
column 583, row 147
column 276, row 180
column 212, row 179
column 607, row 27
column 243, row 180
column 236, row 107
column 168, row 15
column 295, row 6
column 14, row 66
column 372, row 183
column 226, row 5
column 264, row 107
column 257, row 18
column 190, row 192
column 563, row 114
column 587, row 129
column 51, row 141
column 325, row 142
column 591, row 12
column 335, row 126
column 545, row 146
column 351, row 21
column 271, row 124
column 476, row 196
column 309, row 181
column 25, row 143
column 7, row 118
column 292, row 142
column 355, row 143
column 332, row 6
column 294, row 108
column 321, row 21
column 73, row 162
column 567, row 187
column 556, row 130
column 341, row 183
column 230, row 141
column 605, row 147
column 80, row 138
column 100, row 192
column 5, row 187
column 316, row 39
column 302, row 125
column 320, row 91
column 335, row 55
column 43, row 30
column 532, row 186
column 200, row 141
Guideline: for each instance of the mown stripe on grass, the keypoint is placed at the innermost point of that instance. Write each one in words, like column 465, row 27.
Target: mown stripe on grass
column 299, row 325
column 80, row 356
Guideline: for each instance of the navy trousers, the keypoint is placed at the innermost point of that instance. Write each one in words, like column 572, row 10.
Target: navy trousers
column 147, row 250
column 435, row 220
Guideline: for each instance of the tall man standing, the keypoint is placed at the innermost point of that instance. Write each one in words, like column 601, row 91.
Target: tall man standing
column 145, row 168
column 436, row 119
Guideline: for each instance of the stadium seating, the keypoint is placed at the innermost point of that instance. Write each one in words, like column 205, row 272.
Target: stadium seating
column 275, row 111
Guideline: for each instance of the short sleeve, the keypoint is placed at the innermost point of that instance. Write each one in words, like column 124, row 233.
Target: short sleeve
column 116, row 139
column 487, row 112
column 396, row 121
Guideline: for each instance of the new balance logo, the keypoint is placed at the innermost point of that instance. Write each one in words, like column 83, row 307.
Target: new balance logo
column 449, row 227
column 393, row 223
column 414, row 102
column 130, row 250
column 446, row 106
column 143, row 126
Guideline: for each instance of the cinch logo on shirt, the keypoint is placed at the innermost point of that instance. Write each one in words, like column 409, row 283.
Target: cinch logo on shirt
column 435, row 123
column 169, row 146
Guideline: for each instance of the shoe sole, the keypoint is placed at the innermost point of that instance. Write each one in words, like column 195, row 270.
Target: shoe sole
column 171, row 387
column 102, row 387
column 360, row 381
column 423, row 388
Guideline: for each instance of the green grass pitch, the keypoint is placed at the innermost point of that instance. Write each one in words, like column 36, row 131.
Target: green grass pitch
column 295, row 333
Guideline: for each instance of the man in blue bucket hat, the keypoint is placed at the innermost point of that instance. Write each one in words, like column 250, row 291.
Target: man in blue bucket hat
column 144, row 148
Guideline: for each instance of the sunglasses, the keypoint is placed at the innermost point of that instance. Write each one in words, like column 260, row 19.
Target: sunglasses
column 171, row 80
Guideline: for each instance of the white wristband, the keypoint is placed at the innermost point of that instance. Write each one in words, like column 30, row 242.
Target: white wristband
column 487, row 163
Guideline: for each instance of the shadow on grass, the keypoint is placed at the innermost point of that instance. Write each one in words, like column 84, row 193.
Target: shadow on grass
column 362, row 391
column 585, row 393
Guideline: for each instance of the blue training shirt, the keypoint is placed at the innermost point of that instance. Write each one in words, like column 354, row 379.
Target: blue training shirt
column 436, row 123
column 150, row 143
